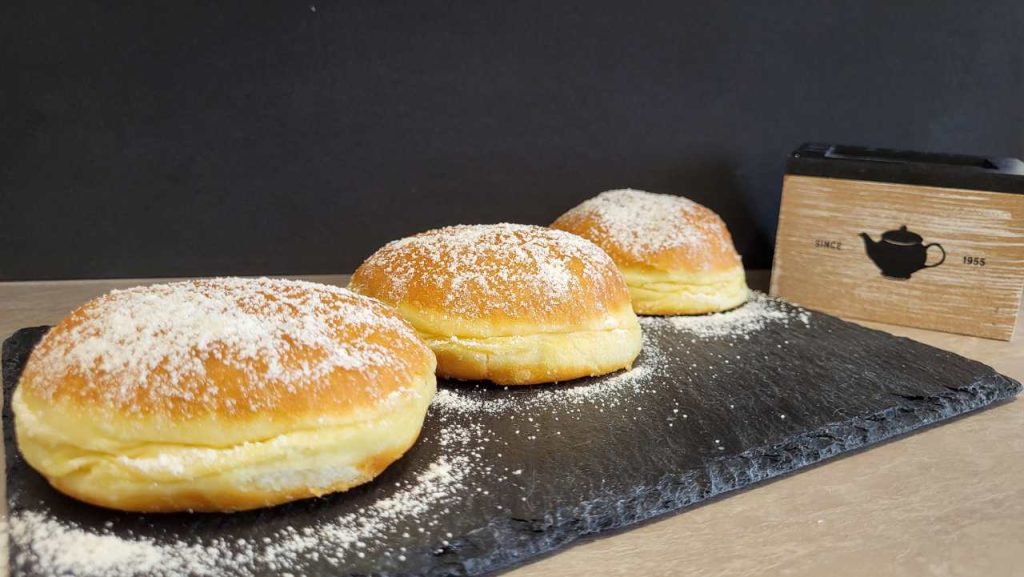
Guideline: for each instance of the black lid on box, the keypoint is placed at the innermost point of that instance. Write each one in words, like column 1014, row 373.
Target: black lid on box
column 907, row 167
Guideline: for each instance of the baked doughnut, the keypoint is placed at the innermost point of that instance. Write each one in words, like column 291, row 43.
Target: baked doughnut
column 508, row 303
column 676, row 255
column 221, row 395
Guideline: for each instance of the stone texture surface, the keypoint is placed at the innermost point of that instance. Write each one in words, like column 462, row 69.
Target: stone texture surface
column 790, row 395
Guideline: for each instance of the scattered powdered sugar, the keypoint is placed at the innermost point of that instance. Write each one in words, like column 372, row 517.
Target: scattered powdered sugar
column 335, row 540
column 605, row 390
column 756, row 314
column 63, row 548
column 640, row 223
column 154, row 341
column 59, row 547
column 570, row 398
column 483, row 269
column 417, row 506
column 464, row 459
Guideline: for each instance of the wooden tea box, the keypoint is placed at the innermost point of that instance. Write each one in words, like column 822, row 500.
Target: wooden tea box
column 925, row 240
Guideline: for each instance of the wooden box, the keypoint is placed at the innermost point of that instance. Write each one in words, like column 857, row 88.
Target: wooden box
column 926, row 240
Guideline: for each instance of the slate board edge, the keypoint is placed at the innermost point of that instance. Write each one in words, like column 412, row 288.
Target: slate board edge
column 673, row 492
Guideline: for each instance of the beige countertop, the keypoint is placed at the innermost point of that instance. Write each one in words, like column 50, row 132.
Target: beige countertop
column 945, row 501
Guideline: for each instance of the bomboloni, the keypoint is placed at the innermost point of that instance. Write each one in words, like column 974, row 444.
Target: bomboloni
column 513, row 304
column 677, row 256
column 221, row 395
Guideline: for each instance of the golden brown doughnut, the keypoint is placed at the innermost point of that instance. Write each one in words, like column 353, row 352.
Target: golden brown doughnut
column 508, row 303
column 676, row 255
column 221, row 395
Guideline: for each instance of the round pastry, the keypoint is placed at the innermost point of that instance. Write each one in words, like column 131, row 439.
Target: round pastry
column 676, row 255
column 508, row 303
column 221, row 395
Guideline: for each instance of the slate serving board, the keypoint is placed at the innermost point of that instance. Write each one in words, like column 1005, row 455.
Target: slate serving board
column 529, row 470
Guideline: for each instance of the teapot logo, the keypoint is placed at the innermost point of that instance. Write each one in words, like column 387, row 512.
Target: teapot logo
column 900, row 253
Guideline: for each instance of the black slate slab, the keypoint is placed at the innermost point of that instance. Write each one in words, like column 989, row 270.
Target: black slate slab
column 505, row 475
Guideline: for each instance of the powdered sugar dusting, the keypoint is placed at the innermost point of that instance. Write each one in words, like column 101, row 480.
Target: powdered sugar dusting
column 607, row 391
column 483, row 269
column 66, row 549
column 420, row 502
column 642, row 223
column 477, row 438
column 61, row 547
column 412, row 510
column 759, row 312
column 154, row 342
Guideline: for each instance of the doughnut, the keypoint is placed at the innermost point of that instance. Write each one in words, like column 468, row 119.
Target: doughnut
column 508, row 303
column 221, row 395
column 676, row 255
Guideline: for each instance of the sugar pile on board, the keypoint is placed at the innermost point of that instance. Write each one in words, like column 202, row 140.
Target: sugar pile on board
column 607, row 391
column 64, row 548
column 758, row 313
column 602, row 390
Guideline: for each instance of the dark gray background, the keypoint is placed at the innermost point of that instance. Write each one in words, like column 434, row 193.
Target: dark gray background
column 297, row 137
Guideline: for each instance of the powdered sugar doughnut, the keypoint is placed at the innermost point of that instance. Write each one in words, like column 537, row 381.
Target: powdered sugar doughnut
column 221, row 394
column 509, row 303
column 676, row 255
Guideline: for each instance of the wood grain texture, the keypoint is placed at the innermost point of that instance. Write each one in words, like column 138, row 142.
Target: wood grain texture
column 822, row 263
column 944, row 502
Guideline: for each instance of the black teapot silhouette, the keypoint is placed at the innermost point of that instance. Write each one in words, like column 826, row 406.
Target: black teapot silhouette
column 900, row 253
